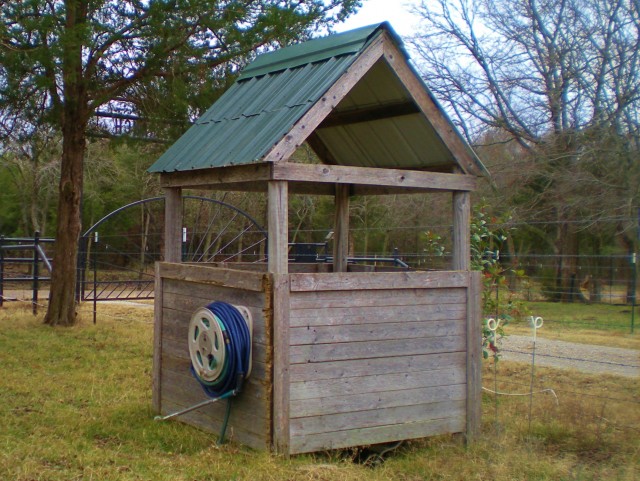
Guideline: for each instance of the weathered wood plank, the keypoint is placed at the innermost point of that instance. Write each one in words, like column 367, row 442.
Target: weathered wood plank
column 181, row 293
column 156, row 386
column 376, row 400
column 321, row 109
column 376, row 332
column 216, row 276
column 414, row 180
column 278, row 205
column 341, row 229
column 173, row 224
column 377, row 417
column 376, row 383
column 474, row 357
column 375, row 281
column 216, row 177
column 181, row 386
column 281, row 356
column 380, row 298
column 208, row 423
column 378, row 434
column 382, row 365
column 338, row 316
column 373, row 349
column 461, row 231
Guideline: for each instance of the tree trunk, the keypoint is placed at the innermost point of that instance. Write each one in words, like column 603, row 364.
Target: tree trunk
column 567, row 270
column 62, row 304
column 74, row 110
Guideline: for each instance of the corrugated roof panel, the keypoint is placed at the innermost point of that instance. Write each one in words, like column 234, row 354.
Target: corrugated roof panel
column 404, row 142
column 276, row 90
column 311, row 51
column 251, row 117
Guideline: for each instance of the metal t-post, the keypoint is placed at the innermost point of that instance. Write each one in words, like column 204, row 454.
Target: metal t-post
column 36, row 260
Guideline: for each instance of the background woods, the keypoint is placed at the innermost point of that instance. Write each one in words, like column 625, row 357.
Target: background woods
column 545, row 91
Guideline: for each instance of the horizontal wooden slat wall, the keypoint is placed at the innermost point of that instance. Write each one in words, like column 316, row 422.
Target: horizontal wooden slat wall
column 184, row 289
column 376, row 357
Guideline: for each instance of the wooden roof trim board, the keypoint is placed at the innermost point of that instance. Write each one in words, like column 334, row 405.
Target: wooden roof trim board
column 248, row 177
column 432, row 111
column 321, row 110
column 338, row 174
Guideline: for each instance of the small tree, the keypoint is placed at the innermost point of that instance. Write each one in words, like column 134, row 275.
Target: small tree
column 62, row 60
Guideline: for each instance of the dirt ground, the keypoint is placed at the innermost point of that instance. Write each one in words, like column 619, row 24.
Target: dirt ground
column 568, row 355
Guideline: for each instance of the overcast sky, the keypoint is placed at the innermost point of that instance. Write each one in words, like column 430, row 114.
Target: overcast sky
column 395, row 12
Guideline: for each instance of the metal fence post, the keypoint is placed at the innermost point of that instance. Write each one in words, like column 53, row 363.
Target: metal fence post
column 36, row 260
column 1, row 271
column 95, row 276
column 184, row 244
column 634, row 286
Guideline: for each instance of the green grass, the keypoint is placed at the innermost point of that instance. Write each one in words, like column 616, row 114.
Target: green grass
column 602, row 324
column 75, row 405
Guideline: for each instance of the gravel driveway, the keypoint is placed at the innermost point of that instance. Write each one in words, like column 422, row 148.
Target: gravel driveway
column 569, row 355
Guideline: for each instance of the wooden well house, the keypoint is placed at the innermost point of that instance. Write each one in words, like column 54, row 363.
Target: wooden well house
column 340, row 358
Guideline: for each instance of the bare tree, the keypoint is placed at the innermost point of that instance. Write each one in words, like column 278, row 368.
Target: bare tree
column 561, row 78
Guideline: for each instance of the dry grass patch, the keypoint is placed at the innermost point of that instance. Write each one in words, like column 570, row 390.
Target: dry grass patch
column 600, row 324
column 75, row 405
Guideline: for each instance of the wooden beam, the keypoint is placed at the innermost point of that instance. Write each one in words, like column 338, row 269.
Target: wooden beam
column 474, row 356
column 321, row 109
column 156, row 377
column 213, row 177
column 422, row 97
column 461, row 231
column 360, row 281
column 173, row 224
column 278, row 244
column 320, row 149
column 341, row 229
column 337, row 174
column 369, row 114
column 281, row 363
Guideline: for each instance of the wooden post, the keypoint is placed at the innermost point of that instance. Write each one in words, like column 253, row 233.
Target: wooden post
column 278, row 197
column 173, row 224
column 156, row 395
column 341, row 229
column 461, row 231
column 474, row 356
column 279, row 268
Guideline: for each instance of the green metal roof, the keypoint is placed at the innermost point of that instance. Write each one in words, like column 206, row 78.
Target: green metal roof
column 347, row 43
column 265, row 102
column 279, row 87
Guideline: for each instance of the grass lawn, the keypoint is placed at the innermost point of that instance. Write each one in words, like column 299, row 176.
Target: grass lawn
column 75, row 405
column 602, row 324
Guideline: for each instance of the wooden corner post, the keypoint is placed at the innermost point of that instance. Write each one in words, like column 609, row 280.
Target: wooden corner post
column 462, row 262
column 172, row 253
column 461, row 231
column 173, row 224
column 278, row 196
column 341, row 229
column 474, row 355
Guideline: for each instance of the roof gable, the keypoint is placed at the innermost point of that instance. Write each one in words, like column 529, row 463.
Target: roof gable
column 354, row 98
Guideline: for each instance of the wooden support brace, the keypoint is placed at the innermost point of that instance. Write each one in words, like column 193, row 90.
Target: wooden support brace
column 173, row 224
column 341, row 229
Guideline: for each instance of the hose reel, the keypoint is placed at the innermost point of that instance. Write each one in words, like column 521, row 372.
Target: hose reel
column 220, row 347
column 219, row 340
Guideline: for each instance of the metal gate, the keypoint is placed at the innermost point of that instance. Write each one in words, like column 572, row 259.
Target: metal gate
column 118, row 253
